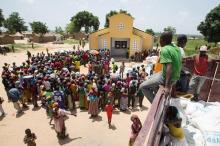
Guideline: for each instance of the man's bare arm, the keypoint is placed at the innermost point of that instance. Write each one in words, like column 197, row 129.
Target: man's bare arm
column 168, row 76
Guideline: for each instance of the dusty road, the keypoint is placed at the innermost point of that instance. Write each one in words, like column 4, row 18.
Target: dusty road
column 82, row 130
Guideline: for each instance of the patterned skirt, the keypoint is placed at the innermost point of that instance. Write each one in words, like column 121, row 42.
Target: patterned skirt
column 93, row 107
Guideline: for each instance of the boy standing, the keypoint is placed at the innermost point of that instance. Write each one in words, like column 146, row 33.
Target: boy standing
column 29, row 138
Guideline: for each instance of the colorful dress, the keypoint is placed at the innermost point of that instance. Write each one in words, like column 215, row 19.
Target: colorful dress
column 59, row 124
column 73, row 89
column 124, row 102
column 93, row 105
column 82, row 97
column 58, row 97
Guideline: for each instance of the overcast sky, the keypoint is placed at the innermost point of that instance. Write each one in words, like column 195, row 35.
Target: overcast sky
column 184, row 15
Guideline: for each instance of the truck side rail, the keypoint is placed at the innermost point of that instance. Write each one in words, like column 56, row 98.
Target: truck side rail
column 152, row 128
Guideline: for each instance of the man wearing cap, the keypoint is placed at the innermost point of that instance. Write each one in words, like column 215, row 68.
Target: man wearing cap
column 200, row 70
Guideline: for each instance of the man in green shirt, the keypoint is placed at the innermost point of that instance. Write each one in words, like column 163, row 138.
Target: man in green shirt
column 170, row 57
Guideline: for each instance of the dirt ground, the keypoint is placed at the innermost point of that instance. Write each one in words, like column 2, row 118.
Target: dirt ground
column 82, row 130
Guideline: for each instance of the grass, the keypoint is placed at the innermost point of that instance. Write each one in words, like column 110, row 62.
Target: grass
column 22, row 46
column 71, row 41
column 193, row 43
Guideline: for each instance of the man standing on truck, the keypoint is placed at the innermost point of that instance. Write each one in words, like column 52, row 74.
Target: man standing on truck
column 170, row 58
column 200, row 70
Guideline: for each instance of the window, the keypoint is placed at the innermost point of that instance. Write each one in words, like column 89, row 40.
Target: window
column 105, row 43
column 135, row 45
column 121, row 26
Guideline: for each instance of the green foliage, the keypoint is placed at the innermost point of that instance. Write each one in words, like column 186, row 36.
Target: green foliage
column 23, row 46
column 85, row 20
column 15, row 23
column 39, row 27
column 192, row 44
column 70, row 28
column 113, row 12
column 170, row 29
column 71, row 41
column 210, row 27
column 59, row 30
column 150, row 31
column 1, row 18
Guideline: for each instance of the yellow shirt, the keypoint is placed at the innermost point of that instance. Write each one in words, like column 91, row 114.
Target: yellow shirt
column 158, row 67
column 176, row 132
column 77, row 63
column 89, row 87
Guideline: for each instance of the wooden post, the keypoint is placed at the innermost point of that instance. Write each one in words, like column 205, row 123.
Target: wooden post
column 210, row 90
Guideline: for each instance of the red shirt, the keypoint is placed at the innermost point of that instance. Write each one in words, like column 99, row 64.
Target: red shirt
column 200, row 65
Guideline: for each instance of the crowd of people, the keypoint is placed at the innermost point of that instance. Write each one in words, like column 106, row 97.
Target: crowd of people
column 55, row 81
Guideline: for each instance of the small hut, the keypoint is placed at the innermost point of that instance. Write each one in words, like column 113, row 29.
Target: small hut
column 27, row 34
column 6, row 39
column 37, row 38
column 18, row 36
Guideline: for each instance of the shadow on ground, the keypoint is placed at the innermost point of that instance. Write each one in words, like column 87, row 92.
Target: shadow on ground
column 112, row 127
column 67, row 140
column 97, row 119
column 18, row 115
column 143, row 108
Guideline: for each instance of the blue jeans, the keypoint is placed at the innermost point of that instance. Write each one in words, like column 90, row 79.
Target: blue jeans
column 151, row 85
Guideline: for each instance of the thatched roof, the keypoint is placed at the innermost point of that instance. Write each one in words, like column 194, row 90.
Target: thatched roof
column 18, row 34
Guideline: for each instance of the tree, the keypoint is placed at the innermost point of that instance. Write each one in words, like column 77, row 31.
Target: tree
column 1, row 19
column 124, row 11
column 59, row 30
column 70, row 28
column 39, row 27
column 15, row 23
column 210, row 27
column 150, row 31
column 170, row 29
column 111, row 13
column 85, row 20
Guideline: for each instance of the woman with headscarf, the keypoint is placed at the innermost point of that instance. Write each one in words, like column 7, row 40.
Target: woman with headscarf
column 59, row 121
column 135, row 129
column 82, row 96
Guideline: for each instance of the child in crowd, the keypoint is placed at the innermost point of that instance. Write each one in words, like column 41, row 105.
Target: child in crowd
column 109, row 110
